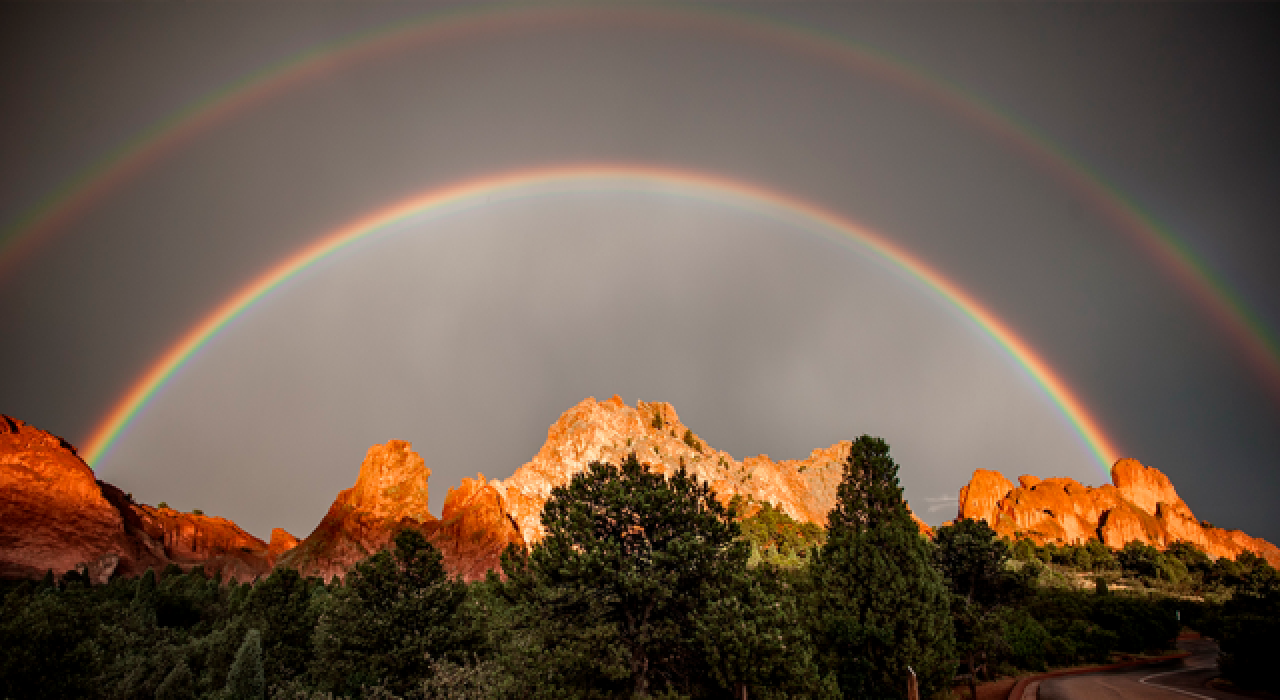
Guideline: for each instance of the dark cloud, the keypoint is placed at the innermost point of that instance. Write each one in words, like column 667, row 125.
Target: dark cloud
column 470, row 334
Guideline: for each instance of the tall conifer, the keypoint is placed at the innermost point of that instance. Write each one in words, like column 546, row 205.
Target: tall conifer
column 880, row 604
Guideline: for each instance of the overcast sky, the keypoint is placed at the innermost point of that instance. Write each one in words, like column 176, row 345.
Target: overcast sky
column 469, row 334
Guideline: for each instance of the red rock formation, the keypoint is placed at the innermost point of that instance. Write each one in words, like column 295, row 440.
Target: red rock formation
column 1140, row 505
column 52, row 513
column 55, row 515
column 390, row 494
column 281, row 542
column 610, row 430
column 474, row 529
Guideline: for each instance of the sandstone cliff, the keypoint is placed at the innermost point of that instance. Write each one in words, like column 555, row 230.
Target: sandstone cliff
column 608, row 431
column 391, row 494
column 1140, row 504
column 55, row 515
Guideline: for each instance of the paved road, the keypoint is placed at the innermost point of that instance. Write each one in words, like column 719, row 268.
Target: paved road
column 1175, row 680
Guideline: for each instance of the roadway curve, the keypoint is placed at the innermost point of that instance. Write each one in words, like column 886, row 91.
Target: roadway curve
column 1175, row 680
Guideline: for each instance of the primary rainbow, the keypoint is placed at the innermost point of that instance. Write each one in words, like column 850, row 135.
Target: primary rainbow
column 1227, row 307
column 601, row 177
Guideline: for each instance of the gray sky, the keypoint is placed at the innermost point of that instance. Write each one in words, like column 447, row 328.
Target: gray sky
column 469, row 334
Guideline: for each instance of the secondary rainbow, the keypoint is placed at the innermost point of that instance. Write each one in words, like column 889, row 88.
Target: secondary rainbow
column 588, row 178
column 1256, row 339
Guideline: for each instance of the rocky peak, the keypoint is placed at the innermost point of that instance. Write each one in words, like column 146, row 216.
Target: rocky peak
column 281, row 542
column 1143, row 486
column 980, row 498
column 1141, row 505
column 55, row 515
column 608, row 431
column 392, row 483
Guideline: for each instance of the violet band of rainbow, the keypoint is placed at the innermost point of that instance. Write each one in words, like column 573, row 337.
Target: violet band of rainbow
column 589, row 178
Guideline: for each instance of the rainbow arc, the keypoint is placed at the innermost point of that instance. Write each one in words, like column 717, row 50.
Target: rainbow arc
column 596, row 178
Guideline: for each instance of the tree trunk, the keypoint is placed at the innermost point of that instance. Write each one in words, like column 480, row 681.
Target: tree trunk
column 640, row 668
column 973, row 678
column 739, row 691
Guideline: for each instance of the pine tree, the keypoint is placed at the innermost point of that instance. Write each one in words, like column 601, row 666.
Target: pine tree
column 879, row 604
column 245, row 680
column 972, row 560
column 397, row 612
column 612, row 592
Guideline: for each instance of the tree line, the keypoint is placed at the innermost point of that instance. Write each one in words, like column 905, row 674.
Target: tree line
column 645, row 586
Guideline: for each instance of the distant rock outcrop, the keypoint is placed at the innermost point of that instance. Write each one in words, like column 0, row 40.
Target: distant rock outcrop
column 281, row 542
column 55, row 515
column 481, row 517
column 390, row 493
column 1139, row 505
column 608, row 431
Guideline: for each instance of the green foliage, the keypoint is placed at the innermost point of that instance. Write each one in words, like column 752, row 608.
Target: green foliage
column 753, row 635
column 656, row 423
column 776, row 538
column 1027, row 643
column 630, row 559
column 245, row 680
column 974, row 561
column 972, row 558
column 286, row 608
column 644, row 587
column 1250, row 636
column 396, row 613
column 878, row 603
column 693, row 442
column 162, row 504
column 1143, row 560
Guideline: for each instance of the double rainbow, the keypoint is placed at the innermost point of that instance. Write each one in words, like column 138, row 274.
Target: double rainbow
column 1258, row 342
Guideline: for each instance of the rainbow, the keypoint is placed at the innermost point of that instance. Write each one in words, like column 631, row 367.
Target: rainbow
column 1258, row 342
column 591, row 178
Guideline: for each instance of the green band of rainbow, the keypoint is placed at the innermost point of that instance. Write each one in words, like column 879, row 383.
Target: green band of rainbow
column 610, row 177
column 1259, row 342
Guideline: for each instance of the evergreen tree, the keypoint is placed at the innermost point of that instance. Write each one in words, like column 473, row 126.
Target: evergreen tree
column 245, row 680
column 280, row 606
column 397, row 612
column 629, row 560
column 754, row 639
column 879, row 603
column 972, row 559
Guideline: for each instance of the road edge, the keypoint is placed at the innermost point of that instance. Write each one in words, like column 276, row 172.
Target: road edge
column 1021, row 685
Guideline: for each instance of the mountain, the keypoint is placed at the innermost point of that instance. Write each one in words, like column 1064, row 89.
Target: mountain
column 55, row 515
column 608, row 431
column 1140, row 504
column 390, row 494
column 480, row 518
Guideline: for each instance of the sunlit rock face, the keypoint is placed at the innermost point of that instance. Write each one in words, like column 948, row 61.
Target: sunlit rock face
column 52, row 512
column 482, row 517
column 281, row 542
column 474, row 529
column 1140, row 504
column 608, row 431
column 390, row 493
column 55, row 515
